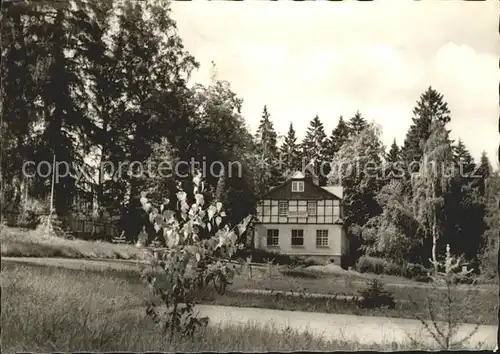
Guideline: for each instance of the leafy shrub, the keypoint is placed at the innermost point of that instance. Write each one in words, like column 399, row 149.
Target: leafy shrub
column 299, row 274
column 391, row 268
column 445, row 304
column 28, row 219
column 375, row 296
column 367, row 264
column 311, row 262
column 416, row 272
column 262, row 256
column 198, row 247
column 30, row 212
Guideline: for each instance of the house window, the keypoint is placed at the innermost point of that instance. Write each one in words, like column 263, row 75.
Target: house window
column 297, row 186
column 297, row 237
column 312, row 207
column 283, row 208
column 321, row 238
column 336, row 208
column 273, row 237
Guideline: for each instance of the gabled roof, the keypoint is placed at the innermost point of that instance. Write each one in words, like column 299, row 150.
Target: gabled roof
column 336, row 190
column 311, row 190
column 298, row 175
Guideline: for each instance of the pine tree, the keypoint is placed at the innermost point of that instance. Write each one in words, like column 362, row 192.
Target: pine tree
column 314, row 150
column 464, row 207
column 20, row 78
column 392, row 168
column 463, row 159
column 266, row 137
column 357, row 123
column 290, row 152
column 394, row 153
column 489, row 256
column 267, row 154
column 338, row 137
column 483, row 173
column 431, row 107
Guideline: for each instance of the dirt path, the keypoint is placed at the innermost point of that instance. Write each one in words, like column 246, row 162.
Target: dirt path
column 362, row 329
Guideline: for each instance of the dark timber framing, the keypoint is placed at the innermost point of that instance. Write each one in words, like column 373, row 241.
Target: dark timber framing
column 268, row 212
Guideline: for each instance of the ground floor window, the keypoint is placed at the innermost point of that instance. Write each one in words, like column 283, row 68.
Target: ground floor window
column 321, row 238
column 273, row 237
column 297, row 237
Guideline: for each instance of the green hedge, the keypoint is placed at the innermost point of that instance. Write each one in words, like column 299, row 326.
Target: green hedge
column 376, row 265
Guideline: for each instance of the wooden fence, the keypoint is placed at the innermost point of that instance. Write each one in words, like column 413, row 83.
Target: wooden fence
column 83, row 228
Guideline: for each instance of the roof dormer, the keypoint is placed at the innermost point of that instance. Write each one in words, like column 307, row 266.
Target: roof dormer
column 297, row 182
column 297, row 186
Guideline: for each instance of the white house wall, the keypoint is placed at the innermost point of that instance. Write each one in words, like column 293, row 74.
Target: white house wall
column 337, row 243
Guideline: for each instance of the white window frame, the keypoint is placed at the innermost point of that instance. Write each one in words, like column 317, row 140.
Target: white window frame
column 315, row 208
column 273, row 235
column 297, row 186
column 297, row 234
column 283, row 208
column 322, row 238
column 336, row 209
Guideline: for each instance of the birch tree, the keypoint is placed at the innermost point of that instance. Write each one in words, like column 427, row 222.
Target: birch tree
column 430, row 184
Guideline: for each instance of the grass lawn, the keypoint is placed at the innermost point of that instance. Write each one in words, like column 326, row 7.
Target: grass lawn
column 482, row 309
column 32, row 243
column 46, row 309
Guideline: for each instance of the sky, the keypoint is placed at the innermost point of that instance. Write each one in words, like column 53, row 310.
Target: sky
column 330, row 59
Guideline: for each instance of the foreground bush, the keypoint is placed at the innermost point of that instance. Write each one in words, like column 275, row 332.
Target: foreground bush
column 368, row 264
column 375, row 296
column 198, row 248
column 375, row 265
column 416, row 272
column 263, row 256
column 446, row 308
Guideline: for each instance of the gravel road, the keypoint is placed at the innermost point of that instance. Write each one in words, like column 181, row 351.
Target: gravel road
column 365, row 330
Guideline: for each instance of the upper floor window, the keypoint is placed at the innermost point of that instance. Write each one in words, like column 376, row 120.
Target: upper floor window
column 282, row 208
column 297, row 186
column 336, row 209
column 312, row 207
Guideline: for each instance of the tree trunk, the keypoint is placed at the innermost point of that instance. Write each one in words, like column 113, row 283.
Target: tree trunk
column 52, row 185
column 498, row 272
column 100, row 181
column 434, row 227
column 434, row 245
column 221, row 183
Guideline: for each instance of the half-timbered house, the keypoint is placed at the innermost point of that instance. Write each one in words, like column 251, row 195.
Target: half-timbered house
column 302, row 218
